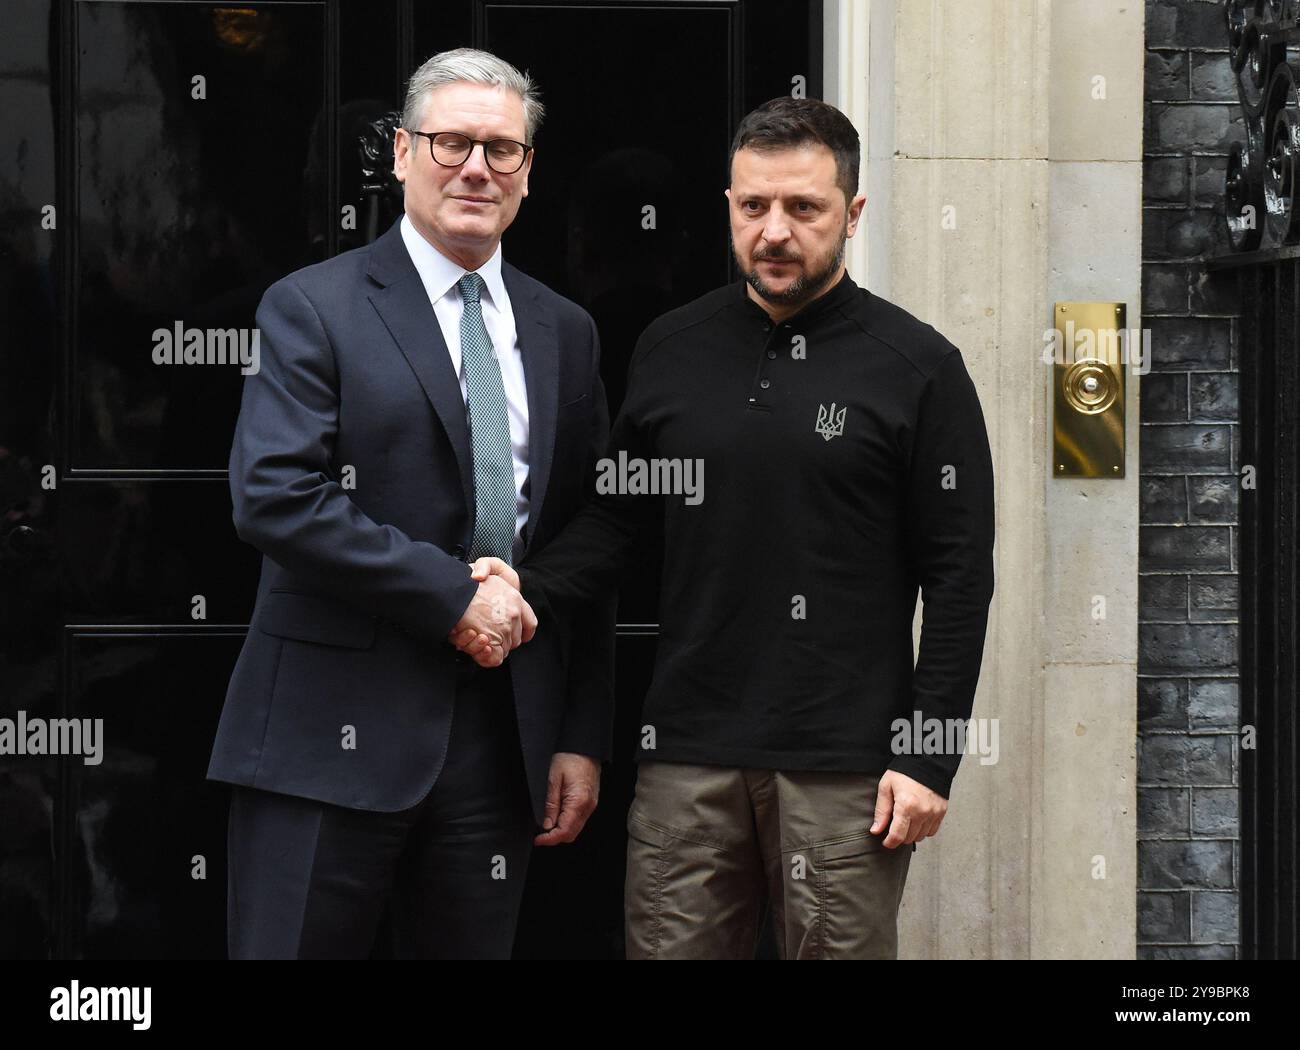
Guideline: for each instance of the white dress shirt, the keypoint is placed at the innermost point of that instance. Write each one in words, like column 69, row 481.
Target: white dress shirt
column 439, row 275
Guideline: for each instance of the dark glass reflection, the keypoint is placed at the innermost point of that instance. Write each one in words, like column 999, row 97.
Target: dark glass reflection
column 197, row 187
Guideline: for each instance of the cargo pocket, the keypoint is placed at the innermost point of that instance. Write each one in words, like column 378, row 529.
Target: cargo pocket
column 846, row 847
column 647, row 864
column 859, row 884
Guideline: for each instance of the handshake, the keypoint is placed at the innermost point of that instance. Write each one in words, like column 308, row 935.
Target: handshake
column 497, row 619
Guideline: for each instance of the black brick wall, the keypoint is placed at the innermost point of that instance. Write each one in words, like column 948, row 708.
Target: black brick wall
column 1188, row 705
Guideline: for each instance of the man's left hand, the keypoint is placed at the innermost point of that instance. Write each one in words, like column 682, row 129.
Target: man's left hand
column 908, row 808
column 572, row 790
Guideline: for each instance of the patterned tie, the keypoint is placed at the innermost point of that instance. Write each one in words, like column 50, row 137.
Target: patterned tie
column 489, row 426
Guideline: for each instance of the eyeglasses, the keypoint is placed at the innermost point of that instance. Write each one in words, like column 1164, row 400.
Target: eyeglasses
column 450, row 148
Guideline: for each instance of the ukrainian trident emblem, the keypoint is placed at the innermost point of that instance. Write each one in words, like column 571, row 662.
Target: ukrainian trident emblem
column 829, row 423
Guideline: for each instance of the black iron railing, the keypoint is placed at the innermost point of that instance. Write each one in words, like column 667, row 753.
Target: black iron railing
column 1260, row 208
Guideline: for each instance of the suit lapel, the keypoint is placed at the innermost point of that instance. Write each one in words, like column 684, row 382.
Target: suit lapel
column 540, row 351
column 404, row 307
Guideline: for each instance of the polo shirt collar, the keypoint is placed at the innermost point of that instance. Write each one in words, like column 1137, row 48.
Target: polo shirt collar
column 841, row 294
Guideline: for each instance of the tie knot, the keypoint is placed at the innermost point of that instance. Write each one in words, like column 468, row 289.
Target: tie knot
column 471, row 286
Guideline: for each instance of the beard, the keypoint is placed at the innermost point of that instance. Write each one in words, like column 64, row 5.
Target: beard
column 803, row 288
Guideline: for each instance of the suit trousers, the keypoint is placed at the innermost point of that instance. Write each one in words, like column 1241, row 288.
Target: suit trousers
column 311, row 880
column 710, row 846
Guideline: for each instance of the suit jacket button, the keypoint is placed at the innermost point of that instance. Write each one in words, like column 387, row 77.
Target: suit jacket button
column 459, row 551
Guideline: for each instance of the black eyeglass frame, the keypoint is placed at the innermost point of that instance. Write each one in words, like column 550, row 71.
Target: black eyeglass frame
column 472, row 143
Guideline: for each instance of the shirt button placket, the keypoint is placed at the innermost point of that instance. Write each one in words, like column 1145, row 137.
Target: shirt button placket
column 769, row 354
column 774, row 333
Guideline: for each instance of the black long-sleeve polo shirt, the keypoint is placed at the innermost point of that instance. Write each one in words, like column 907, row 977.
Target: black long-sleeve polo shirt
column 845, row 464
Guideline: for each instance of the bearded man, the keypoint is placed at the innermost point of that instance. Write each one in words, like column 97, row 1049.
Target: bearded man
column 848, row 467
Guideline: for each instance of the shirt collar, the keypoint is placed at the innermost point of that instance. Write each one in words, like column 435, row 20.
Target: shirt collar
column 439, row 274
column 842, row 293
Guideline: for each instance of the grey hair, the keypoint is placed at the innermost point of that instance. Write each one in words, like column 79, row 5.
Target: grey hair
column 477, row 67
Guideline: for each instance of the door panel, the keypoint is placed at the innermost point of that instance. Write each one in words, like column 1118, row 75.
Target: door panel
column 186, row 209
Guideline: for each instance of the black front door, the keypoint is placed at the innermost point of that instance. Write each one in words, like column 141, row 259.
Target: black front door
column 162, row 164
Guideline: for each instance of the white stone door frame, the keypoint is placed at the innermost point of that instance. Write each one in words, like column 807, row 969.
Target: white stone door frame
column 1024, row 118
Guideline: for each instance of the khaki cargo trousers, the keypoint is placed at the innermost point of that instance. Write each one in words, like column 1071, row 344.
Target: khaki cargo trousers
column 709, row 846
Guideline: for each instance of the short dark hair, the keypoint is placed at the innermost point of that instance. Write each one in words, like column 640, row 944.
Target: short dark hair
column 786, row 122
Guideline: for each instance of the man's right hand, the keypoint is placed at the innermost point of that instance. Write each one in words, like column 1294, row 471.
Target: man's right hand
column 485, row 568
column 497, row 620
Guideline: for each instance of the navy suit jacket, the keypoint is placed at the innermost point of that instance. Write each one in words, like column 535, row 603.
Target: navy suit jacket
column 351, row 472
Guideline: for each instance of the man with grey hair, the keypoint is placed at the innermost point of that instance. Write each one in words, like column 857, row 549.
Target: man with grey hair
column 421, row 403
